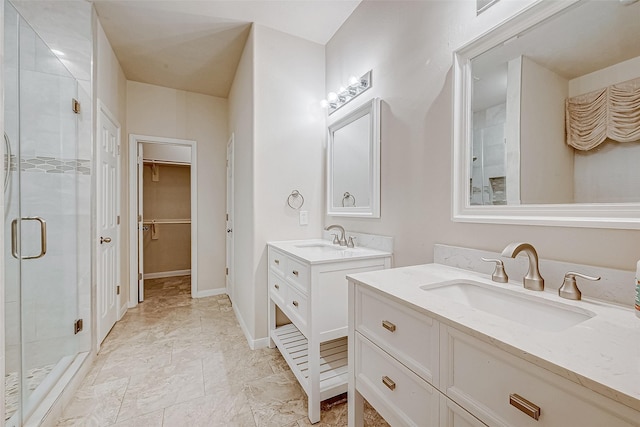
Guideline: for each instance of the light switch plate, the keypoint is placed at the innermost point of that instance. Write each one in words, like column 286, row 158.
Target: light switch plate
column 304, row 217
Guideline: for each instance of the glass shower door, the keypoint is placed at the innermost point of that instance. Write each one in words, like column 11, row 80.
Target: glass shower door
column 41, row 223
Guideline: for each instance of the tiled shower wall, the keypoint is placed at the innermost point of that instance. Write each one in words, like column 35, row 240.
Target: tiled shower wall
column 55, row 164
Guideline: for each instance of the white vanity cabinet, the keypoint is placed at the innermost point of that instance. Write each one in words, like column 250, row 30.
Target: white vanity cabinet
column 419, row 371
column 308, row 284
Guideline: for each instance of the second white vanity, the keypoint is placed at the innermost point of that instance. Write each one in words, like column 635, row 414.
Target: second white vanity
column 434, row 345
column 307, row 282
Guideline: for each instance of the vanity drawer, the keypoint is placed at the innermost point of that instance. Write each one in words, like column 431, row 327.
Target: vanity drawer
column 297, row 308
column 399, row 394
column 277, row 289
column 407, row 335
column 298, row 274
column 484, row 379
column 277, row 262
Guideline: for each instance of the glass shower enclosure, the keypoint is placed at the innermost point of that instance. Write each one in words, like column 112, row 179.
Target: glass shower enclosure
column 42, row 220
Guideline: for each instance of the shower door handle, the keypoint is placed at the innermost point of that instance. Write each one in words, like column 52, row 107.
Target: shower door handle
column 43, row 237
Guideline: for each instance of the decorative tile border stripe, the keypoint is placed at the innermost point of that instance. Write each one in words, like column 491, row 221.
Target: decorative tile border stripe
column 13, row 163
column 54, row 165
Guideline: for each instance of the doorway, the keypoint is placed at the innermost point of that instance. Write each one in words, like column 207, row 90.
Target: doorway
column 167, row 157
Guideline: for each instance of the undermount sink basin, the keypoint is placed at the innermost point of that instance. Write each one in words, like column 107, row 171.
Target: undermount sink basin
column 321, row 247
column 528, row 310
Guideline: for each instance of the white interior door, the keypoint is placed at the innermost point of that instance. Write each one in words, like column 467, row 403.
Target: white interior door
column 108, row 222
column 140, row 226
column 229, row 271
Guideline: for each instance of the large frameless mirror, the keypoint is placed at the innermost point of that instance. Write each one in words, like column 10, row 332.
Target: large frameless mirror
column 353, row 163
column 547, row 118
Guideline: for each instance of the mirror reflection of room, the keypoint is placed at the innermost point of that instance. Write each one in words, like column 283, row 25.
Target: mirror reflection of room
column 531, row 105
column 353, row 162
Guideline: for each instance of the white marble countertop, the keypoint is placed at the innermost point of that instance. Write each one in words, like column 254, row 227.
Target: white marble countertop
column 601, row 353
column 319, row 251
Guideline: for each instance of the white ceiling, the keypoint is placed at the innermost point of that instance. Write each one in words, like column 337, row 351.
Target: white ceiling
column 196, row 45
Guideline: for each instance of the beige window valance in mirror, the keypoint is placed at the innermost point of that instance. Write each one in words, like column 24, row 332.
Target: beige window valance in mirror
column 612, row 112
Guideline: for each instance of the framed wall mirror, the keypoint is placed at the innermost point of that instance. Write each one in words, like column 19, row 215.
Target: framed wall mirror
column 353, row 163
column 535, row 139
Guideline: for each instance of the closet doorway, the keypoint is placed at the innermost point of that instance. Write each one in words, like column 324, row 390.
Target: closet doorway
column 163, row 211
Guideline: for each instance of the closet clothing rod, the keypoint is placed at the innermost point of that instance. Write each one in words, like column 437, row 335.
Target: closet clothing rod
column 166, row 221
column 165, row 162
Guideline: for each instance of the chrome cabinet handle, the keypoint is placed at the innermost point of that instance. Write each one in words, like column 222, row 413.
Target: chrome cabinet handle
column 276, row 286
column 388, row 326
column 295, row 273
column 105, row 240
column 43, row 237
column 391, row 385
column 295, row 303
column 525, row 406
column 277, row 261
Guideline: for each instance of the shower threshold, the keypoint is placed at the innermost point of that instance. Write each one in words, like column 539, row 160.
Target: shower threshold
column 46, row 385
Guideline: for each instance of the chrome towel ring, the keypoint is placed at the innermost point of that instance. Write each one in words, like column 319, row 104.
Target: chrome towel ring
column 295, row 200
column 348, row 196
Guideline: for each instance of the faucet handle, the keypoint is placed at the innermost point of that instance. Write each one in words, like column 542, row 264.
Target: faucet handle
column 335, row 239
column 351, row 243
column 569, row 288
column 499, row 275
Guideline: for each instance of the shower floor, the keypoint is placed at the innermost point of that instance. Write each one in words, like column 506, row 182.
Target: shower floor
column 35, row 377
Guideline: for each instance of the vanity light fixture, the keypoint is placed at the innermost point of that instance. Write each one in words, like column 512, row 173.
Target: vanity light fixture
column 344, row 95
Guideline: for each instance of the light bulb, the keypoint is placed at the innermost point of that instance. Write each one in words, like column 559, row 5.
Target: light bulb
column 353, row 80
column 332, row 97
column 342, row 89
column 324, row 103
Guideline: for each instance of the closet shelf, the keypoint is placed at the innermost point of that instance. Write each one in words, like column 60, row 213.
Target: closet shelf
column 165, row 162
column 166, row 221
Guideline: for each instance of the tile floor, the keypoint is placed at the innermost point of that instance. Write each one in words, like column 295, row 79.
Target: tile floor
column 178, row 361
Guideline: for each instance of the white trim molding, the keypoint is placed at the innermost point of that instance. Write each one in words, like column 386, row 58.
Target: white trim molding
column 163, row 274
column 134, row 140
column 254, row 344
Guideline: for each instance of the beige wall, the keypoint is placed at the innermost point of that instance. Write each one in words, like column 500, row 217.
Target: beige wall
column 279, row 131
column 159, row 111
column 165, row 199
column 241, row 124
column 546, row 161
column 111, row 90
column 288, row 146
column 409, row 46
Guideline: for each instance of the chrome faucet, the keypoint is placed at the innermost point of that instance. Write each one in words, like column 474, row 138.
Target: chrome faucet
column 342, row 241
column 532, row 280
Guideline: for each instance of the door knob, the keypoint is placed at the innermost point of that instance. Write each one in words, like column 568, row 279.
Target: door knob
column 105, row 240
column 229, row 230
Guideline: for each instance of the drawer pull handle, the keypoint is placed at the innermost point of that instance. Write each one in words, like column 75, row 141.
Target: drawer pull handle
column 525, row 406
column 295, row 303
column 295, row 273
column 389, row 383
column 276, row 286
column 277, row 261
column 388, row 326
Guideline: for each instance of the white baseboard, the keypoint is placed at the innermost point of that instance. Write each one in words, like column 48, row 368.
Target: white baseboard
column 253, row 343
column 260, row 343
column 163, row 274
column 123, row 310
column 211, row 292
